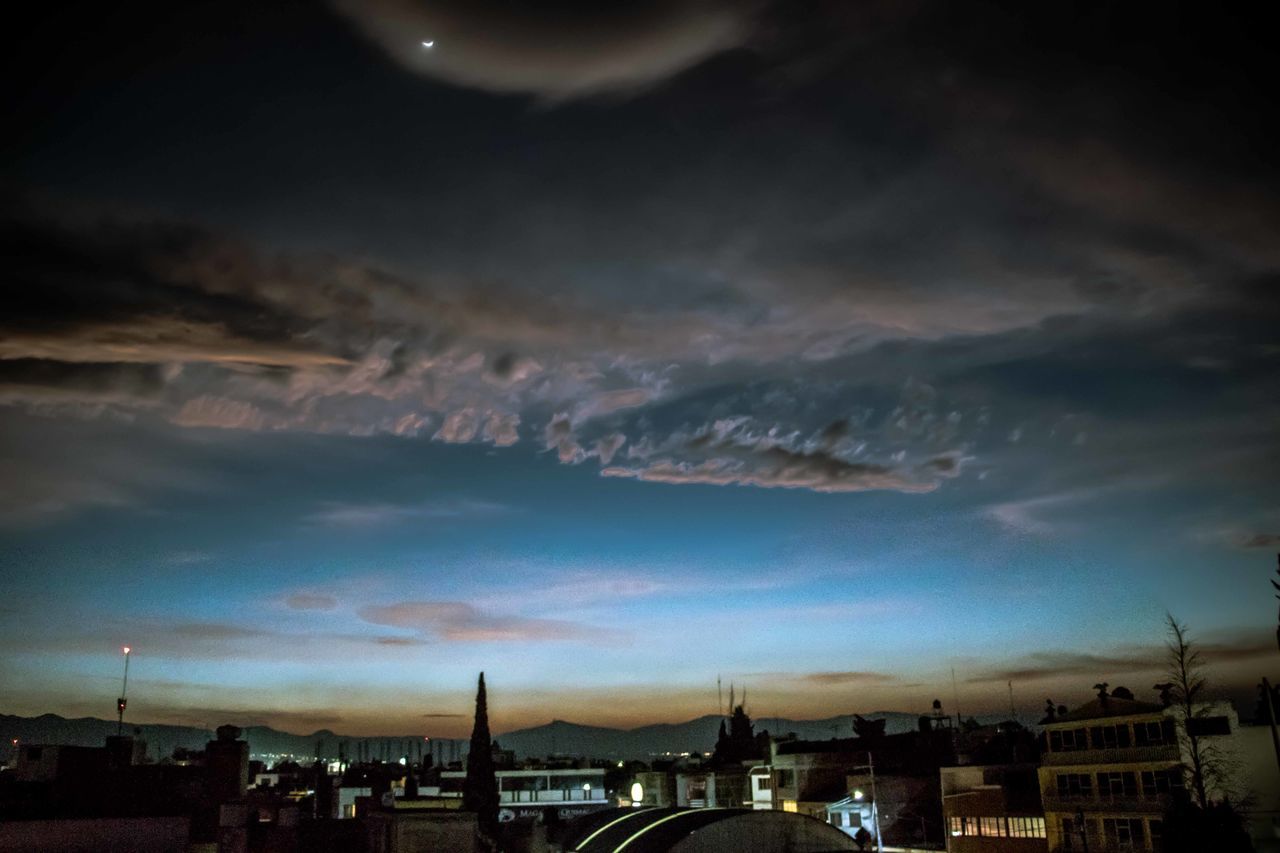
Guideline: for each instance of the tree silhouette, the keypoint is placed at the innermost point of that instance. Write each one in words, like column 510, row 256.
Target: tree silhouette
column 480, row 791
column 1209, row 767
column 868, row 729
column 1276, row 585
column 737, row 743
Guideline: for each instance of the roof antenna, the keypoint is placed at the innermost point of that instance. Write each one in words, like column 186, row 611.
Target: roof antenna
column 956, row 691
column 719, row 696
column 1013, row 713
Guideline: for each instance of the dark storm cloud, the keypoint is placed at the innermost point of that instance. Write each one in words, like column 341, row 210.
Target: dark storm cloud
column 858, row 257
column 557, row 50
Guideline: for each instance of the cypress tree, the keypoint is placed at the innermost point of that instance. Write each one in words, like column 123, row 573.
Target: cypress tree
column 480, row 794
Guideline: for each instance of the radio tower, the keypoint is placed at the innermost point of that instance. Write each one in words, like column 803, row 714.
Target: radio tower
column 124, row 690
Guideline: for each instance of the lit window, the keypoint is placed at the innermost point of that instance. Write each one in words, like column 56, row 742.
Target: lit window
column 789, row 806
column 992, row 827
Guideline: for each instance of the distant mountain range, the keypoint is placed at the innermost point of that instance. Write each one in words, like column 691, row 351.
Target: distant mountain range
column 555, row 738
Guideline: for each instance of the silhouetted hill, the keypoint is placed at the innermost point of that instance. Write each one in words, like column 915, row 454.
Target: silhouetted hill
column 698, row 735
column 558, row 737
column 162, row 740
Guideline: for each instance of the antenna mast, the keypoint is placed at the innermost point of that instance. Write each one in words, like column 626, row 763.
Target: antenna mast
column 956, row 692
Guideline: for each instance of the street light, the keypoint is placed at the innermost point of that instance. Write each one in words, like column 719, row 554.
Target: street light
column 859, row 796
column 124, row 691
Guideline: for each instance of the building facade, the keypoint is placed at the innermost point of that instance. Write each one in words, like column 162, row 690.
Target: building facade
column 993, row 809
column 1113, row 767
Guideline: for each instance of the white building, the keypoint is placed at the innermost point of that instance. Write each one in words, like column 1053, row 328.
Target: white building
column 527, row 793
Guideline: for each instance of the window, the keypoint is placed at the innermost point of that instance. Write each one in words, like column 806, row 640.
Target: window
column 1122, row 833
column 1073, row 834
column 786, row 778
column 992, row 827
column 1155, row 782
column 1067, row 740
column 1155, row 831
column 1110, row 737
column 1148, row 734
column 855, row 819
column 1115, row 785
column 1026, row 827
column 834, row 817
column 763, row 783
column 1075, row 785
column 955, row 825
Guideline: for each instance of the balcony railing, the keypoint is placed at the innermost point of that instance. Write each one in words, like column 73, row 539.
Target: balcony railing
column 1125, row 755
column 1155, row 804
column 575, row 795
column 1097, row 845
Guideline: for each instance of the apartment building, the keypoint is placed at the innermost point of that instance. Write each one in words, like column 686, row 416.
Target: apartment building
column 1111, row 769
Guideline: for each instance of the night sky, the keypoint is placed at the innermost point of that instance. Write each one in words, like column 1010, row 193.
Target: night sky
column 609, row 348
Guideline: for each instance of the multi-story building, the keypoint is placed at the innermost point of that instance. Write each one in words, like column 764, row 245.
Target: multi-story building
column 1111, row 769
column 993, row 809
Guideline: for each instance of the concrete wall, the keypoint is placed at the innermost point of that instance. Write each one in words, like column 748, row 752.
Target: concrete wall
column 1260, row 778
column 454, row 832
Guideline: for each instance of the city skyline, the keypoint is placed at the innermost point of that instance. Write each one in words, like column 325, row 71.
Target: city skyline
column 613, row 352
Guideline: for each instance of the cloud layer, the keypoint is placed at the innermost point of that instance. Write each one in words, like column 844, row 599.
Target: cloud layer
column 548, row 49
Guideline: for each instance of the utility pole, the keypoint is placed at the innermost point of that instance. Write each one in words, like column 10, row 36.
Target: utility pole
column 870, row 766
column 875, row 803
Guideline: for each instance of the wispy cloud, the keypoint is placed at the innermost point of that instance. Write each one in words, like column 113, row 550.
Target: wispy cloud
column 340, row 514
column 846, row 678
column 310, row 601
column 456, row 621
column 1130, row 661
